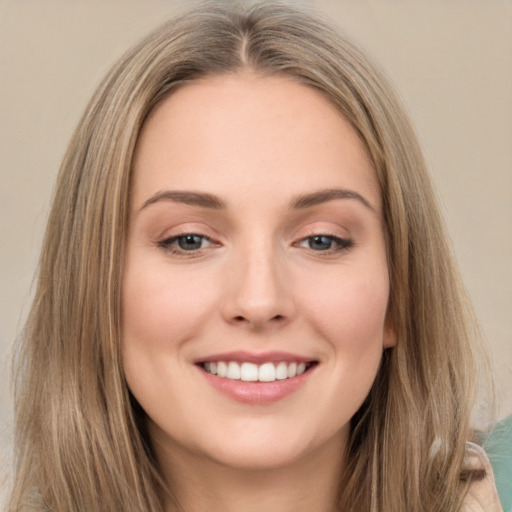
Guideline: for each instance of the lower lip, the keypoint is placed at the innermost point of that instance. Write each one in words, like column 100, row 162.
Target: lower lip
column 257, row 392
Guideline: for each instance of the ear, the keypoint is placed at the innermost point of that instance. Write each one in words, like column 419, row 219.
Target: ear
column 389, row 338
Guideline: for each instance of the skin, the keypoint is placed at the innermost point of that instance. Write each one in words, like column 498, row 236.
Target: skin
column 257, row 283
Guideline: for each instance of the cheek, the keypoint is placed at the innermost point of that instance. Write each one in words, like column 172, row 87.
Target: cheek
column 161, row 311
column 162, row 308
column 351, row 311
column 347, row 309
column 351, row 316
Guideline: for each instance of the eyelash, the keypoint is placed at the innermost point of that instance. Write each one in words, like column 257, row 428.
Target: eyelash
column 170, row 244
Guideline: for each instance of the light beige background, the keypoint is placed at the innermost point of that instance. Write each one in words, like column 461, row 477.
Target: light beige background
column 451, row 60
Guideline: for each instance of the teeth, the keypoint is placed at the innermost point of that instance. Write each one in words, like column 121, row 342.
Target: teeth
column 281, row 371
column 267, row 373
column 250, row 372
column 222, row 369
column 233, row 371
column 292, row 370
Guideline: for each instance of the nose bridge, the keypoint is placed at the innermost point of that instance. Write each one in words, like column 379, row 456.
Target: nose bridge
column 257, row 291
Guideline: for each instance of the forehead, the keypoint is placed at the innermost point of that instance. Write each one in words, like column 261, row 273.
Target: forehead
column 242, row 129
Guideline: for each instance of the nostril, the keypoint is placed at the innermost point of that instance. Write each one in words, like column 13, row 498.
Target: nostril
column 243, row 319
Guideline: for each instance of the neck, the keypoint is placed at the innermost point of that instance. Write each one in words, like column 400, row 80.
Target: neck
column 310, row 484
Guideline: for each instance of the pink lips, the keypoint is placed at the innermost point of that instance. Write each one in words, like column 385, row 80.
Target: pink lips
column 256, row 392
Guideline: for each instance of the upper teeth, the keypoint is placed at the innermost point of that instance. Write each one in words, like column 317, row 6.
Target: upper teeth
column 250, row 372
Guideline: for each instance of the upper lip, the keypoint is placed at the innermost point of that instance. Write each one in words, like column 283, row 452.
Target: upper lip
column 255, row 357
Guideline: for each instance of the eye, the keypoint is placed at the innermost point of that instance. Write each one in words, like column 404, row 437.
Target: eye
column 325, row 243
column 187, row 242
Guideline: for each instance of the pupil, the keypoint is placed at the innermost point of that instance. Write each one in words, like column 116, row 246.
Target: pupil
column 190, row 242
column 320, row 242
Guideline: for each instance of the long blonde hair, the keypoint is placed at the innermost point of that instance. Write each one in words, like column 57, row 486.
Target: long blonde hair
column 81, row 442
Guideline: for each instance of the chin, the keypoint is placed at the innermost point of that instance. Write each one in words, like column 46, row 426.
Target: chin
column 254, row 445
column 251, row 457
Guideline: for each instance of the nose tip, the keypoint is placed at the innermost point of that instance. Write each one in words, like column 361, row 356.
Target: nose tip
column 258, row 295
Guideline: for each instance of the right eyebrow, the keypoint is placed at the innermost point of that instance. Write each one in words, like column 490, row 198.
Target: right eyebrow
column 185, row 197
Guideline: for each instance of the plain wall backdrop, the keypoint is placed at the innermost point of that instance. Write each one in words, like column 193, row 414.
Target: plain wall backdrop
column 451, row 61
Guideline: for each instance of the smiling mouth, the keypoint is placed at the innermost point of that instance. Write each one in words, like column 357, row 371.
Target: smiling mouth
column 252, row 372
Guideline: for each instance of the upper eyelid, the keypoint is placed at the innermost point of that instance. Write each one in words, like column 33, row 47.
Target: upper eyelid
column 333, row 232
column 302, row 237
column 326, row 235
column 318, row 227
column 186, row 229
column 185, row 233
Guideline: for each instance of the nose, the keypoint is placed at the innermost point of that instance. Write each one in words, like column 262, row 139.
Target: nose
column 258, row 293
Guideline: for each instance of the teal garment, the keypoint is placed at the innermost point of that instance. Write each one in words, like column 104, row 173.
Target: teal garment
column 498, row 446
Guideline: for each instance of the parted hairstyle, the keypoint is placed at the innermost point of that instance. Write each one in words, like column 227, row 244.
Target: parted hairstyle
column 81, row 440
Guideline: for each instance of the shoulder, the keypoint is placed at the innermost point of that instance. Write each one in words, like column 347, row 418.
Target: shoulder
column 482, row 495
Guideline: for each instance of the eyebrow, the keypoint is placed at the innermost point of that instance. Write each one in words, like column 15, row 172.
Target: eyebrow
column 213, row 202
column 323, row 196
column 201, row 199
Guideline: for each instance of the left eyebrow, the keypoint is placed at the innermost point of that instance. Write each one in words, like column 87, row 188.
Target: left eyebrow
column 323, row 196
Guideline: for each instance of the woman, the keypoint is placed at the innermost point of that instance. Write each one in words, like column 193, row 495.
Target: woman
column 246, row 299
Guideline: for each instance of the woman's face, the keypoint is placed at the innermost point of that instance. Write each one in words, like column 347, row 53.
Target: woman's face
column 256, row 285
